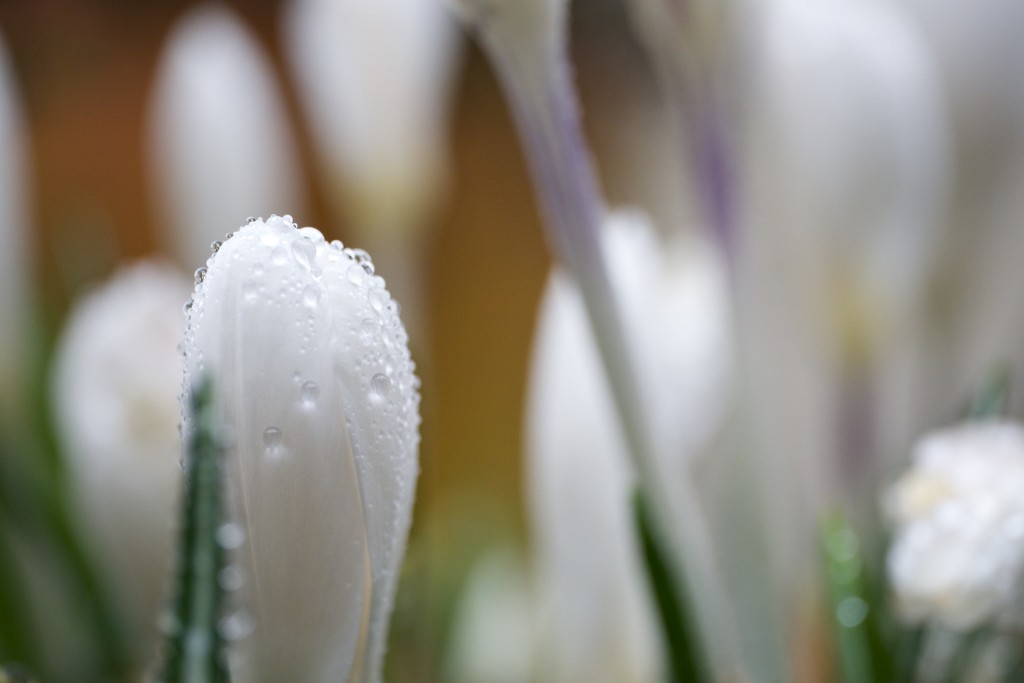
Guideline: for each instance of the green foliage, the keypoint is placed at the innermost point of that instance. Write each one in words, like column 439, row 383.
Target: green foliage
column 685, row 664
column 194, row 640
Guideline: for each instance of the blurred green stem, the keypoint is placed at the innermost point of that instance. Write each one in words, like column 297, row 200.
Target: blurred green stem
column 195, row 643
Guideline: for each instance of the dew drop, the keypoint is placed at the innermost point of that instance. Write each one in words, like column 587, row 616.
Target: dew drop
column 200, row 274
column 355, row 274
column 272, row 440
column 311, row 296
column 236, row 626
column 309, row 392
column 250, row 291
column 380, row 385
column 368, row 331
column 251, row 219
column 378, row 298
column 187, row 307
column 215, row 247
column 336, row 244
column 304, row 253
column 312, row 234
column 230, row 536
column 231, row 578
column 851, row 611
column 279, row 256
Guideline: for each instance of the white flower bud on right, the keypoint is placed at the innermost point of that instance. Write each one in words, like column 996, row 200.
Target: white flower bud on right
column 958, row 548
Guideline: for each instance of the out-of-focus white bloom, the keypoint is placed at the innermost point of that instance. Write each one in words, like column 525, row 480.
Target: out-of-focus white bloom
column 591, row 580
column 312, row 374
column 220, row 145
column 979, row 316
column 375, row 78
column 494, row 631
column 14, row 236
column 115, row 388
column 958, row 551
column 847, row 173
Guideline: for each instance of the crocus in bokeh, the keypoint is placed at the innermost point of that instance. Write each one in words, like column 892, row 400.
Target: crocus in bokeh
column 116, row 380
column 220, row 146
column 597, row 611
column 374, row 79
column 314, row 384
column 957, row 558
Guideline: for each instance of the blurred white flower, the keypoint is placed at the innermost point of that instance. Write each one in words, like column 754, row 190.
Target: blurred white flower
column 599, row 616
column 847, row 172
column 312, row 374
column 375, row 78
column 220, row 145
column 14, row 261
column 979, row 316
column 115, row 388
column 958, row 549
column 494, row 632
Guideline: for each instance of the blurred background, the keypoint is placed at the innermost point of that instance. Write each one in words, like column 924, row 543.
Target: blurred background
column 879, row 161
column 87, row 74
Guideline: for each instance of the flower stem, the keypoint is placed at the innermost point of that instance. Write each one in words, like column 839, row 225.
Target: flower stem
column 538, row 84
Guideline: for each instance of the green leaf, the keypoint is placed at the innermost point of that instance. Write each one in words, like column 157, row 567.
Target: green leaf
column 854, row 609
column 194, row 641
column 994, row 396
column 685, row 664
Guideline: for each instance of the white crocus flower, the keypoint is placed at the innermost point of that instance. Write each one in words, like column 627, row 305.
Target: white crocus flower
column 979, row 317
column 115, row 388
column 312, row 376
column 847, row 171
column 958, row 552
column 14, row 231
column 593, row 587
column 221, row 149
column 374, row 78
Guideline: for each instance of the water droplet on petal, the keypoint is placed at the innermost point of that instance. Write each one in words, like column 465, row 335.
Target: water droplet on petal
column 230, row 536
column 272, row 441
column 355, row 274
column 200, row 274
column 378, row 298
column 215, row 247
column 311, row 296
column 312, row 234
column 250, row 291
column 368, row 331
column 380, row 385
column 309, row 392
column 279, row 256
column 231, row 578
column 304, row 253
column 236, row 626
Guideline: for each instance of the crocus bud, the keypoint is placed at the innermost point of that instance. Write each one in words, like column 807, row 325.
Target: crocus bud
column 220, row 144
column 115, row 387
column 314, row 384
column 600, row 619
column 958, row 550
column 374, row 78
